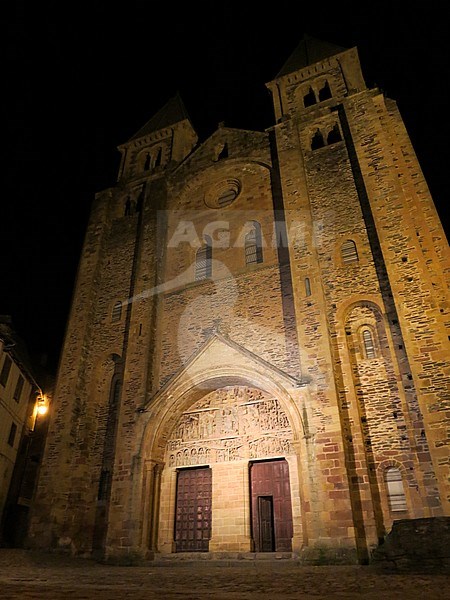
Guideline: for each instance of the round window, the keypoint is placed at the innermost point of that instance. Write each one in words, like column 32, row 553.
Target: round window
column 223, row 194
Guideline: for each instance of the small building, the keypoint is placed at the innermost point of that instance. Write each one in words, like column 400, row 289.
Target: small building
column 22, row 412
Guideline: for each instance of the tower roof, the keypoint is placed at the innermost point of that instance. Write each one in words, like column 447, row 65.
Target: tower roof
column 172, row 112
column 309, row 51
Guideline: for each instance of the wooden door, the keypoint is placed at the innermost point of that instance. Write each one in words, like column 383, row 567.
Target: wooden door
column 193, row 510
column 265, row 525
column 270, row 491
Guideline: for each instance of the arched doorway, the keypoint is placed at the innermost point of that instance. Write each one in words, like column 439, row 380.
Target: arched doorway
column 230, row 471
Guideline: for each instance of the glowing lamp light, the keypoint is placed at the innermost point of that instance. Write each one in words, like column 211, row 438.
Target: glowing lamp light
column 42, row 409
column 42, row 405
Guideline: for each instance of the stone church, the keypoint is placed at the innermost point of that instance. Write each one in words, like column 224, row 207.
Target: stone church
column 256, row 358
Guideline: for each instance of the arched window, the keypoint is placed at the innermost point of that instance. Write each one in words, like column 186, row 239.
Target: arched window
column 158, row 157
column 309, row 99
column 349, row 253
column 223, row 152
column 253, row 245
column 116, row 313
column 369, row 346
column 203, row 260
column 325, row 92
column 115, row 392
column 334, row 135
column 307, row 286
column 395, row 490
column 147, row 163
column 317, row 140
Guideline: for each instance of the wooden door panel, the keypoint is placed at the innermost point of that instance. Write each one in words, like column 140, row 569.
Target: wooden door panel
column 193, row 510
column 266, row 528
column 271, row 479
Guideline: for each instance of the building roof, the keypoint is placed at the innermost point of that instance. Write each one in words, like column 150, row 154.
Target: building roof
column 16, row 347
column 172, row 112
column 309, row 51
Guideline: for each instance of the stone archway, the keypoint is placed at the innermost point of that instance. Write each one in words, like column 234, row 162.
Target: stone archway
column 224, row 432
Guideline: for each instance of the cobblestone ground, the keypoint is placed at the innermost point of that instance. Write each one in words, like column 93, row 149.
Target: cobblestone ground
column 30, row 575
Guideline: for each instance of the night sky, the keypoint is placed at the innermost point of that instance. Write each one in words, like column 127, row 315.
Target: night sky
column 76, row 87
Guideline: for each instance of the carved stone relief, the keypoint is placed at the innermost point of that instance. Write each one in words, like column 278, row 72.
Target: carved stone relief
column 233, row 423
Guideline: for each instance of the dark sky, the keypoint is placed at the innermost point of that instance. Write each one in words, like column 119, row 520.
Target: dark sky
column 76, row 87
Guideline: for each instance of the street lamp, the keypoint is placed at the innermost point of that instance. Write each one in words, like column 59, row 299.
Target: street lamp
column 42, row 404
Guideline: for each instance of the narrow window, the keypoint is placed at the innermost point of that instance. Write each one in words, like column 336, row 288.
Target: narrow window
column 317, row 140
column 19, row 388
column 115, row 392
column 158, row 158
column 116, row 314
column 12, row 434
column 203, row 260
column 325, row 92
column 369, row 347
column 395, row 490
column 103, row 484
column 223, row 153
column 310, row 98
column 307, row 287
column 5, row 370
column 128, row 206
column 349, row 252
column 253, row 245
column 148, row 159
column 334, row 135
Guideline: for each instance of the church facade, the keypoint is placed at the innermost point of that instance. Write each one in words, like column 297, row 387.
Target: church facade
column 256, row 358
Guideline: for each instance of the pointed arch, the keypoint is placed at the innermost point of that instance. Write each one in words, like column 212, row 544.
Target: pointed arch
column 228, row 364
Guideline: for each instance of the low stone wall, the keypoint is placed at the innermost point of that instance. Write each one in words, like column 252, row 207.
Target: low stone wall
column 416, row 543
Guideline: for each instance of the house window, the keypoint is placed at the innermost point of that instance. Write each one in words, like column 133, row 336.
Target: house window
column 5, row 370
column 395, row 490
column 253, row 245
column 19, row 388
column 203, row 260
column 116, row 314
column 369, row 346
column 349, row 252
column 12, row 434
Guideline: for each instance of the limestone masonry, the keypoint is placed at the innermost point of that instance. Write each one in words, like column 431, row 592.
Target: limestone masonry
column 257, row 354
